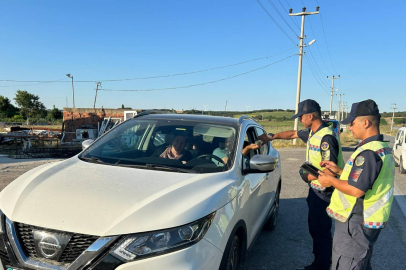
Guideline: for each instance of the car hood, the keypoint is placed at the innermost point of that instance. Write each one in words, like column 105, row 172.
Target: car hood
column 88, row 198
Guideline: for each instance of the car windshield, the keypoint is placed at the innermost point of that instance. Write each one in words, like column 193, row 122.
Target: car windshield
column 166, row 144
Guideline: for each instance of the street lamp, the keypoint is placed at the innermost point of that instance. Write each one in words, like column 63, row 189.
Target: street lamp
column 73, row 90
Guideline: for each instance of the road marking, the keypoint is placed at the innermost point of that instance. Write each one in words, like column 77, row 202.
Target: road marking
column 401, row 200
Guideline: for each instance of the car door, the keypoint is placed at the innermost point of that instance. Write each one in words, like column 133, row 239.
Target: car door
column 399, row 144
column 273, row 177
column 259, row 196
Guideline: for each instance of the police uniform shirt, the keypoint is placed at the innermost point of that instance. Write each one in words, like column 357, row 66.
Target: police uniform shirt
column 329, row 154
column 365, row 171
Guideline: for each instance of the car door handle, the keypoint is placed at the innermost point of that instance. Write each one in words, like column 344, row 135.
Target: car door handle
column 267, row 176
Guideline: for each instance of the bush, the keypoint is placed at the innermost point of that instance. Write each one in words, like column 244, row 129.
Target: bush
column 399, row 121
column 383, row 122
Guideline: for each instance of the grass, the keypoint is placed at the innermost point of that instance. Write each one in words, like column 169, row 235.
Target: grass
column 267, row 114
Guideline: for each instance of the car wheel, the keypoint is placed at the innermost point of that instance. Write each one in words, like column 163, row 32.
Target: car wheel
column 233, row 260
column 270, row 225
column 401, row 168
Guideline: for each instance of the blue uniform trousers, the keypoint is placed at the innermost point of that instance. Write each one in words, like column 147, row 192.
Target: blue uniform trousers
column 353, row 244
column 320, row 228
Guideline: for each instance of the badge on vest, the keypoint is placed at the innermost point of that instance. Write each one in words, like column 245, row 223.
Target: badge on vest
column 325, row 155
column 359, row 161
column 325, row 146
column 355, row 173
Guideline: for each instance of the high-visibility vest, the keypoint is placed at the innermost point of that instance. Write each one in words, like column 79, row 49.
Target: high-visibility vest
column 378, row 200
column 313, row 152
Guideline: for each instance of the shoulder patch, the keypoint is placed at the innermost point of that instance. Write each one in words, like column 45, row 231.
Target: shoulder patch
column 325, row 155
column 355, row 173
column 325, row 146
column 359, row 161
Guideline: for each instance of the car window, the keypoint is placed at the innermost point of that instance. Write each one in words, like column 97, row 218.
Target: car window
column 398, row 134
column 264, row 148
column 188, row 145
column 401, row 137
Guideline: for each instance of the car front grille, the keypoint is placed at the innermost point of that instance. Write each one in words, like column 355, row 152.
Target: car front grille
column 3, row 252
column 76, row 246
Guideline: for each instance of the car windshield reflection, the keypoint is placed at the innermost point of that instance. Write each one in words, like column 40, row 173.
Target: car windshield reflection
column 168, row 145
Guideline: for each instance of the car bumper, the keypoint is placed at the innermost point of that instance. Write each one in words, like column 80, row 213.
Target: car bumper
column 202, row 256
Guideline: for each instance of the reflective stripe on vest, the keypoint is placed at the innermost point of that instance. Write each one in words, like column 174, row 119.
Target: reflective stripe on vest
column 313, row 153
column 378, row 200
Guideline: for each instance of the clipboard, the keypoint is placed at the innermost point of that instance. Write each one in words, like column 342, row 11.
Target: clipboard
column 310, row 169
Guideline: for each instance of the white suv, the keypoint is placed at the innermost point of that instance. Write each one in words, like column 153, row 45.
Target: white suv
column 399, row 150
column 159, row 191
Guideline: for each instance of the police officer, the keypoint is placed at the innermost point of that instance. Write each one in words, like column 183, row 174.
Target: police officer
column 363, row 195
column 322, row 145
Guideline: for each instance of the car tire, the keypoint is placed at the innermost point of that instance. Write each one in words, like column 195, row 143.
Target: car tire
column 233, row 253
column 270, row 225
column 402, row 170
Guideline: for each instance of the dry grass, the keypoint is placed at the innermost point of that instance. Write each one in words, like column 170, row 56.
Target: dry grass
column 347, row 139
column 287, row 143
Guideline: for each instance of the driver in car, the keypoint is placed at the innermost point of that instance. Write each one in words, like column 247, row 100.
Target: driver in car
column 177, row 150
column 223, row 152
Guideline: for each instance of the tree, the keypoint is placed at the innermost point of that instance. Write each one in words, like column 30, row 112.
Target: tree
column 6, row 108
column 54, row 114
column 29, row 104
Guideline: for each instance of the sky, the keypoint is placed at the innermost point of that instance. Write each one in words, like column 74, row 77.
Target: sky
column 249, row 61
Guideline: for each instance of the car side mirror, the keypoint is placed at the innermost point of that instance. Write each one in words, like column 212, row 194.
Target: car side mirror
column 86, row 143
column 341, row 130
column 262, row 164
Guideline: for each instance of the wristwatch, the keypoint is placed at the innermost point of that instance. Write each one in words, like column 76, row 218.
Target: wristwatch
column 270, row 136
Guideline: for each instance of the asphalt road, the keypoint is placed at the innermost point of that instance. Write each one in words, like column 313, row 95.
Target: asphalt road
column 290, row 245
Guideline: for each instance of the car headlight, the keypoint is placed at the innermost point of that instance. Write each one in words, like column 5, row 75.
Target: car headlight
column 138, row 246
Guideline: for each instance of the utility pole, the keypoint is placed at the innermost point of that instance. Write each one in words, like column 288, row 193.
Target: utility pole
column 340, row 105
column 73, row 91
column 393, row 115
column 95, row 97
column 66, row 102
column 247, row 107
column 299, row 73
column 342, row 111
column 226, row 105
column 205, row 108
column 332, row 90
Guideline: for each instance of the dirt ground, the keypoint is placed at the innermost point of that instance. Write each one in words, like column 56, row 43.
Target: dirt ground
column 10, row 168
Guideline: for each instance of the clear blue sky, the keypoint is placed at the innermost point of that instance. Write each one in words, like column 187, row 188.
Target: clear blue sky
column 100, row 40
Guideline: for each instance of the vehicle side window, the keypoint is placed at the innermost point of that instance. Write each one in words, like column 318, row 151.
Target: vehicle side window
column 250, row 138
column 401, row 137
column 265, row 148
column 398, row 135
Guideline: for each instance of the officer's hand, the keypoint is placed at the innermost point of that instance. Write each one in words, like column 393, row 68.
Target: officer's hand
column 331, row 166
column 264, row 137
column 325, row 180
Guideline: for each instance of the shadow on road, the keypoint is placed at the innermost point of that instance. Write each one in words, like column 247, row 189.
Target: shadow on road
column 290, row 245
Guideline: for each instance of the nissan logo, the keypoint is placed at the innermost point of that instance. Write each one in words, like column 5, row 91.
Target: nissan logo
column 49, row 246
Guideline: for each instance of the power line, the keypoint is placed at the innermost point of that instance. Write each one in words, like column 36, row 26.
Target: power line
column 280, row 15
column 270, row 16
column 314, row 75
column 151, row 77
column 199, row 84
column 297, row 25
column 318, row 48
column 325, row 39
column 315, row 62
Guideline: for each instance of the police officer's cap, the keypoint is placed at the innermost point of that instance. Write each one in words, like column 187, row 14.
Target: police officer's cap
column 363, row 108
column 307, row 106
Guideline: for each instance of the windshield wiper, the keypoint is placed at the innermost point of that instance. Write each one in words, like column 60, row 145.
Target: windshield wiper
column 95, row 160
column 168, row 168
